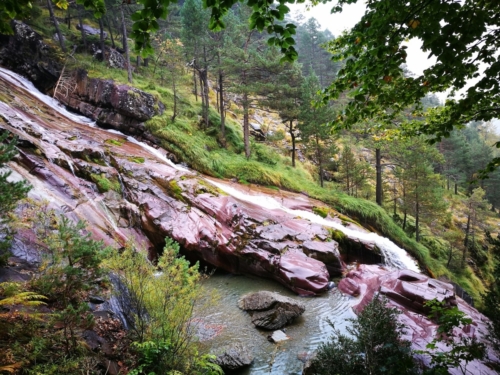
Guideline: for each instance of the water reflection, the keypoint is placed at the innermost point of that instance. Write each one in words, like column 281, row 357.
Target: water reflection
column 234, row 325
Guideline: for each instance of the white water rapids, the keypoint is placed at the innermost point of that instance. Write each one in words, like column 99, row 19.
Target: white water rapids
column 394, row 256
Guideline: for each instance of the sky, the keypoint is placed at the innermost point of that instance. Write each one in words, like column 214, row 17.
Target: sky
column 417, row 60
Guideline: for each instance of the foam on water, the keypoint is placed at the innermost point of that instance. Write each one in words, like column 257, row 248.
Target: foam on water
column 18, row 80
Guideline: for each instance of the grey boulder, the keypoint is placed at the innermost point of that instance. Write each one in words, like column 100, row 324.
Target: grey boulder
column 233, row 357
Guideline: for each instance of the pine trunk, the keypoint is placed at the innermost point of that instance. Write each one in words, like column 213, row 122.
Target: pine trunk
column 101, row 39
column 222, row 114
column 467, row 231
column 205, row 87
column 292, row 135
column 56, row 25
column 417, row 221
column 246, row 126
column 175, row 98
column 80, row 22
column 378, row 168
column 195, row 84
column 110, row 32
column 320, row 161
column 125, row 46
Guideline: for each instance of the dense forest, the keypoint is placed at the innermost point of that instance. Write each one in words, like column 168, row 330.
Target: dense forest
column 239, row 106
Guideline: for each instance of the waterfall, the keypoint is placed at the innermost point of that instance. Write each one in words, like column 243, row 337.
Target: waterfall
column 394, row 256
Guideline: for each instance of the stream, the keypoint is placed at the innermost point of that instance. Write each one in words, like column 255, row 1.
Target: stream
column 306, row 333
column 224, row 318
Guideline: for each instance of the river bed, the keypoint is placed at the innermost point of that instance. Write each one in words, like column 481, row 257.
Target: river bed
column 229, row 324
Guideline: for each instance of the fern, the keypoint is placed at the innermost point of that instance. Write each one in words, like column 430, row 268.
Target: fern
column 24, row 298
column 13, row 296
column 12, row 368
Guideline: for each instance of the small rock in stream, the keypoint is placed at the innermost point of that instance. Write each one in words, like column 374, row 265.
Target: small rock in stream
column 278, row 336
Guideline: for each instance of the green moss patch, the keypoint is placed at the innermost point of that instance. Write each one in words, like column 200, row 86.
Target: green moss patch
column 104, row 184
column 115, row 142
column 136, row 159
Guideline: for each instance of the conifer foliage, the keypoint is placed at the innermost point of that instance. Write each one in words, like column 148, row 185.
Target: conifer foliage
column 374, row 346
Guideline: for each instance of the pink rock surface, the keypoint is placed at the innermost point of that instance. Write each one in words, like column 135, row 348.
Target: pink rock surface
column 408, row 291
column 152, row 199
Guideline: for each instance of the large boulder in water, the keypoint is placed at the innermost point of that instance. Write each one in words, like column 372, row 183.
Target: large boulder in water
column 233, row 357
column 271, row 310
column 408, row 291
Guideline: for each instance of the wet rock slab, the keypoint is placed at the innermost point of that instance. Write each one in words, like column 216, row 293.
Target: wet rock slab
column 408, row 291
column 269, row 310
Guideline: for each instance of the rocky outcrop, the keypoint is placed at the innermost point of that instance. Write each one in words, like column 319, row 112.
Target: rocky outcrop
column 408, row 291
column 120, row 107
column 26, row 53
column 89, row 30
column 270, row 310
column 233, row 357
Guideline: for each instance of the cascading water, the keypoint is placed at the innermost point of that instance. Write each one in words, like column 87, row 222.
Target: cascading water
column 394, row 256
column 18, row 80
column 309, row 330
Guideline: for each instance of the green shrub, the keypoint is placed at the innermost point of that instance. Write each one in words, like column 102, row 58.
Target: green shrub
column 158, row 304
column 375, row 348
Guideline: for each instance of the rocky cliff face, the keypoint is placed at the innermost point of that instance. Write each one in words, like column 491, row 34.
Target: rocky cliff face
column 112, row 105
column 26, row 53
column 120, row 107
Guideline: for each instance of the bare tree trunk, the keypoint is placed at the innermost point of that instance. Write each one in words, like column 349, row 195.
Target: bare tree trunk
column 56, row 25
column 195, row 84
column 175, row 98
column 417, row 221
column 467, row 231
column 221, row 104
column 80, row 21
column 205, row 87
column 378, row 168
column 246, row 126
column 292, row 135
column 146, row 62
column 205, row 93
column 125, row 46
column 137, row 62
column 110, row 32
column 320, row 161
column 101, row 38
column 202, row 95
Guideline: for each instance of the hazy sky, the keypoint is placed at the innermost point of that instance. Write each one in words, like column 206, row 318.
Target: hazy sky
column 417, row 61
